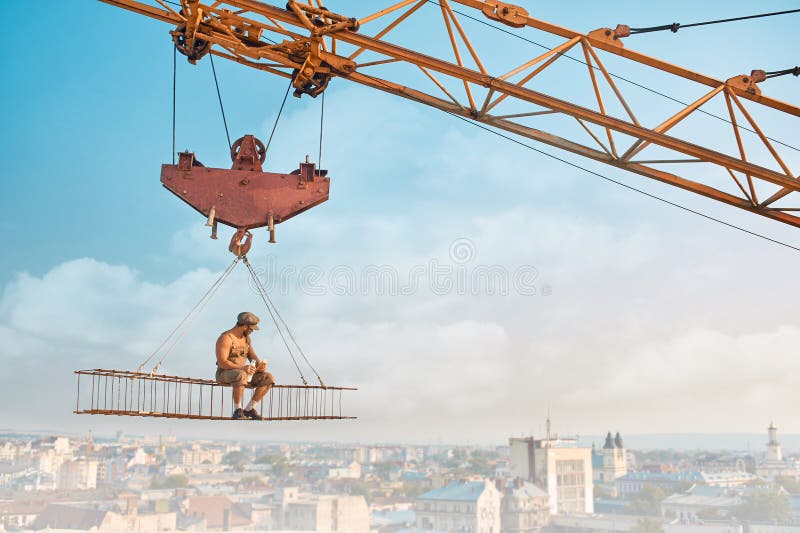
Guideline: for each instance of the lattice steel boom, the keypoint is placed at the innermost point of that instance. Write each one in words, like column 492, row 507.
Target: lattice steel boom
column 312, row 45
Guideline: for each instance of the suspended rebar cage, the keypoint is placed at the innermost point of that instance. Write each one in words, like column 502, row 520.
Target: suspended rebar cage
column 124, row 393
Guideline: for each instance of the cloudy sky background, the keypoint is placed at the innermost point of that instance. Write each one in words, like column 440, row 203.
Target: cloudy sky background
column 643, row 318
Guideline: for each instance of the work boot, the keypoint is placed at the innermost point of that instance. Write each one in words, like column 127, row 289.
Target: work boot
column 238, row 414
column 252, row 414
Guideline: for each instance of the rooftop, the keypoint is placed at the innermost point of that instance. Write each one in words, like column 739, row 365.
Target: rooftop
column 661, row 476
column 459, row 491
column 696, row 500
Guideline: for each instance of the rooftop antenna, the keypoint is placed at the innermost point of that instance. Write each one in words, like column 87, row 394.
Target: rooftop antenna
column 548, row 426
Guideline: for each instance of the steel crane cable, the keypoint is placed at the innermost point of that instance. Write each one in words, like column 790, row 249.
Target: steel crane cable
column 280, row 111
column 267, row 299
column 190, row 315
column 273, row 311
column 675, row 26
column 219, row 97
column 611, row 180
column 775, row 73
column 222, row 108
column 174, row 83
column 321, row 119
column 617, row 76
column 625, row 185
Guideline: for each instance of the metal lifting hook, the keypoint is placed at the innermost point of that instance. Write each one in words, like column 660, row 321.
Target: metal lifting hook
column 241, row 242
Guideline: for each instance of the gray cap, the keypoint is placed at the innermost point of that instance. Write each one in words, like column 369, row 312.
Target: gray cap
column 247, row 318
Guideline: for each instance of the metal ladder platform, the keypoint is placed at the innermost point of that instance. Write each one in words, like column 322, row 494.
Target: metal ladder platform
column 127, row 393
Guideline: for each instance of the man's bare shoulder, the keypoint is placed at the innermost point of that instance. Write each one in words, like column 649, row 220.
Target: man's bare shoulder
column 224, row 337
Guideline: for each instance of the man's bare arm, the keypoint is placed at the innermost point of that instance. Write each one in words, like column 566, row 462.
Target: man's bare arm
column 251, row 354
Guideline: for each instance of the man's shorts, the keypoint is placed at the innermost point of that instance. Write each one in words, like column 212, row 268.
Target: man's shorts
column 239, row 377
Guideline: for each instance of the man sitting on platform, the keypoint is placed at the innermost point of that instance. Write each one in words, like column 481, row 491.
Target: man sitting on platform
column 234, row 349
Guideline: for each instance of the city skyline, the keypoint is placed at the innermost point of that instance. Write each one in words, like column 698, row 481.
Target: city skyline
column 128, row 482
column 689, row 442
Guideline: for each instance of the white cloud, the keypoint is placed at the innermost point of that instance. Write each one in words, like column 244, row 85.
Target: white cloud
column 708, row 362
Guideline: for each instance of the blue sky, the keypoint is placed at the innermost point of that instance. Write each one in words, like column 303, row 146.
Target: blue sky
column 652, row 311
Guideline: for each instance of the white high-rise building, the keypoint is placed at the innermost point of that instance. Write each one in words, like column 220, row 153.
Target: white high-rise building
column 78, row 475
column 558, row 466
column 316, row 512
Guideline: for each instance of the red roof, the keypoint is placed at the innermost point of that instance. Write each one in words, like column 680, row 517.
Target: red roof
column 212, row 509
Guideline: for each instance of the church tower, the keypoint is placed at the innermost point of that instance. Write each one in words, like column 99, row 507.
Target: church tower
column 773, row 446
column 615, row 461
column 621, row 463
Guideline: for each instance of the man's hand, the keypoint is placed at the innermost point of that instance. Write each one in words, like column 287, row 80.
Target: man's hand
column 261, row 367
column 250, row 369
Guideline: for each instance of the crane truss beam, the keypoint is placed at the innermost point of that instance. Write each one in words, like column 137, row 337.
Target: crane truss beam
column 319, row 45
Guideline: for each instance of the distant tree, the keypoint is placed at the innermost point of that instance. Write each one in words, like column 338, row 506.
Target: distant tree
column 647, row 525
column 358, row 488
column 412, row 490
column 600, row 492
column 236, row 458
column 647, row 501
column 482, row 462
column 383, row 469
column 661, row 456
column 174, row 481
column 480, row 465
column 764, row 505
column 250, row 481
column 280, row 466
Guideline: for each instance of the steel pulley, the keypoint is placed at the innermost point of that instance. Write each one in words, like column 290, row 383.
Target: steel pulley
column 188, row 44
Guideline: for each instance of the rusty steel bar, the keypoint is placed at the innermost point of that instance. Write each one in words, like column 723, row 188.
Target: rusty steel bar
column 753, row 196
column 178, row 397
column 600, row 104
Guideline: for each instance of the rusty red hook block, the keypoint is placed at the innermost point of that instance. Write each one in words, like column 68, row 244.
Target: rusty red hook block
column 245, row 197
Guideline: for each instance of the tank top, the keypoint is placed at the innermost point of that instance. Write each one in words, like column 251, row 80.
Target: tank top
column 239, row 350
